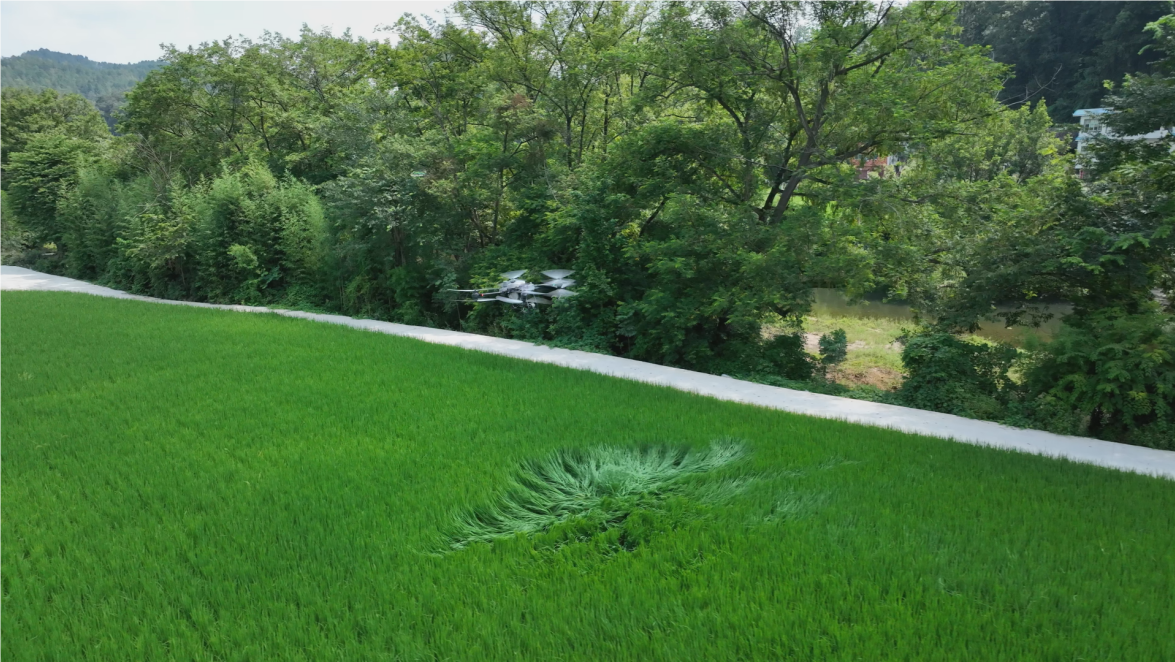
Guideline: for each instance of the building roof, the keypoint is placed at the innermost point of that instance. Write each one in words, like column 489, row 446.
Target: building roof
column 1081, row 112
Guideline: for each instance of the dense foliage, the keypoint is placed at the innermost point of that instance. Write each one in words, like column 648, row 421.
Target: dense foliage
column 701, row 166
column 29, row 114
column 955, row 376
column 1109, row 248
column 1062, row 52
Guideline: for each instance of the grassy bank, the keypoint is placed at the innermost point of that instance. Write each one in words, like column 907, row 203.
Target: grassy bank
column 874, row 358
column 191, row 484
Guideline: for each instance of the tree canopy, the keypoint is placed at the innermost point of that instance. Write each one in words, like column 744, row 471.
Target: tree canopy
column 27, row 114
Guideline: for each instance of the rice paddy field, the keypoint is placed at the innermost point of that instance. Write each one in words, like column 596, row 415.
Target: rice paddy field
column 190, row 484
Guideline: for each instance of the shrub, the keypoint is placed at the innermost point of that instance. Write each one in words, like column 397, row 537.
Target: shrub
column 258, row 235
column 1116, row 369
column 91, row 214
column 945, row 373
column 157, row 251
column 834, row 348
column 788, row 358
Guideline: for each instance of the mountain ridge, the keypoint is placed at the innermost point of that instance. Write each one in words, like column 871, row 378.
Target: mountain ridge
column 105, row 84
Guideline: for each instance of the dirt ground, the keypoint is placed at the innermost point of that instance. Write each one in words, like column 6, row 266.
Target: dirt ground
column 874, row 356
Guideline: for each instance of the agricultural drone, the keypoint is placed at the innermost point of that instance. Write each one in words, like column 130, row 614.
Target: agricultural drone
column 517, row 292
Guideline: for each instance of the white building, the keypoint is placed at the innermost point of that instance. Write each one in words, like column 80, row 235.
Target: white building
column 1092, row 127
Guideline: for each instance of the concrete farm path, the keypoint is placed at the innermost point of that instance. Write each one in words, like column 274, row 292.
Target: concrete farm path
column 945, row 426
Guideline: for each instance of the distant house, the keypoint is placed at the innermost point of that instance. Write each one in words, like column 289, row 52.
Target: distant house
column 1093, row 127
column 876, row 166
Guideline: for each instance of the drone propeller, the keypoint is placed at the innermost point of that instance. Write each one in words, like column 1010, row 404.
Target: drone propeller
column 511, row 275
column 559, row 293
column 559, row 282
column 558, row 273
column 509, row 300
column 486, row 290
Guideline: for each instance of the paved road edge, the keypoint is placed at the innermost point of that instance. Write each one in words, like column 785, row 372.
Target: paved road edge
column 944, row 426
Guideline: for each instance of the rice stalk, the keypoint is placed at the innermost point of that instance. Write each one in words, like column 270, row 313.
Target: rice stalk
column 606, row 481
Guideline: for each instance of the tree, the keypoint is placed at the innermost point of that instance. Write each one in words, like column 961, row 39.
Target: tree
column 724, row 211
column 28, row 114
column 232, row 99
column 981, row 197
column 701, row 166
column 39, row 175
column 828, row 83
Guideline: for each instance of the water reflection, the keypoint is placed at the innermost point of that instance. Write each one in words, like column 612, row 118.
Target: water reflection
column 829, row 302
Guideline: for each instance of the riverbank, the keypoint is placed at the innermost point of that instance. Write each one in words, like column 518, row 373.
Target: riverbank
column 874, row 356
column 873, row 327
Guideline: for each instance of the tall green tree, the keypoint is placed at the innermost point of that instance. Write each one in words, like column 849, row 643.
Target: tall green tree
column 38, row 178
column 723, row 212
column 235, row 98
column 29, row 113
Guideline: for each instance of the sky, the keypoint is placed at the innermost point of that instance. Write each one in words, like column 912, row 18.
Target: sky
column 132, row 31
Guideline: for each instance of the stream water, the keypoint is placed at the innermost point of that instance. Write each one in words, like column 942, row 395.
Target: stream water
column 831, row 303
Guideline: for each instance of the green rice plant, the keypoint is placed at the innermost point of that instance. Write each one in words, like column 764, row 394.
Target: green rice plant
column 191, row 484
column 604, row 484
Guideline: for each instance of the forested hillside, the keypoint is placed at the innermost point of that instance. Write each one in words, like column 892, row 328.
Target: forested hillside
column 103, row 83
column 1062, row 52
column 701, row 167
